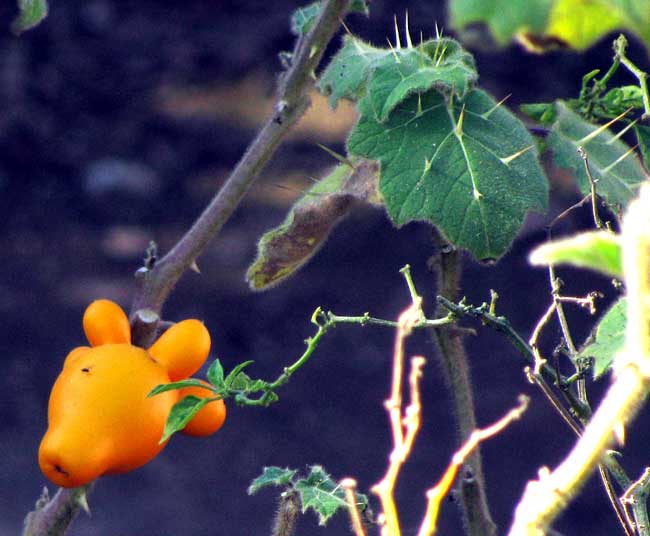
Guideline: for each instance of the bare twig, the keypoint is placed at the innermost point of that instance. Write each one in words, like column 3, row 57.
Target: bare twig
column 636, row 496
column 349, row 486
column 404, row 424
column 438, row 492
column 546, row 497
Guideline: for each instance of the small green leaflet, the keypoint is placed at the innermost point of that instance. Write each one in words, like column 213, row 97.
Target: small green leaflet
column 286, row 248
column 181, row 414
column 319, row 492
column 32, row 12
column 596, row 250
column 190, row 382
column 471, row 168
column 608, row 339
column 303, row 18
column 389, row 76
column 613, row 164
column 543, row 24
column 272, row 476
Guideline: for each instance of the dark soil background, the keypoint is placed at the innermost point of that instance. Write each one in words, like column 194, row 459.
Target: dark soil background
column 118, row 121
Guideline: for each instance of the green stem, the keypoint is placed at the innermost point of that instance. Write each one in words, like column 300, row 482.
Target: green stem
column 620, row 46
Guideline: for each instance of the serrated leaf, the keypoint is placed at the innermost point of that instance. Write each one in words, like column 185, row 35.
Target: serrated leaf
column 440, row 64
column 319, row 492
column 612, row 163
column 347, row 73
column 388, row 76
column 272, row 476
column 597, row 250
column 474, row 179
column 32, row 12
column 303, row 18
column 642, row 133
column 182, row 413
column 608, row 339
column 190, row 382
column 286, row 248
column 215, row 374
column 544, row 24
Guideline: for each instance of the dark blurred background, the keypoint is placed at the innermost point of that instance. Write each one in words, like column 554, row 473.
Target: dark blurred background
column 118, row 121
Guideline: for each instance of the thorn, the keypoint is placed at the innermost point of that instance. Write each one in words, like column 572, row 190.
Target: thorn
column 438, row 31
column 419, row 112
column 506, row 160
column 623, row 131
column 439, row 57
column 195, row 267
column 620, row 158
column 427, row 166
column 477, row 195
column 336, row 155
column 459, row 125
column 82, row 501
column 409, row 43
column 489, row 112
column 345, row 27
column 398, row 43
column 392, row 49
column 619, row 433
column 602, row 128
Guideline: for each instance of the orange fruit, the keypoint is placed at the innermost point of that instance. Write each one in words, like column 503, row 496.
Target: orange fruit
column 210, row 418
column 182, row 349
column 106, row 323
column 100, row 418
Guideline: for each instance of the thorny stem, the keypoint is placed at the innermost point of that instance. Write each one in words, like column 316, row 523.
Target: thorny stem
column 473, row 497
column 53, row 515
column 157, row 281
column 285, row 519
column 291, row 104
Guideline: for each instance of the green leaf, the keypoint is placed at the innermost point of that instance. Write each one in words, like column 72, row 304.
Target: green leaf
column 233, row 380
column 303, row 18
column 642, row 133
column 388, row 76
column 319, row 492
column 543, row 24
column 272, row 476
column 32, row 12
column 608, row 338
column 440, row 64
column 596, row 250
column 542, row 112
column 215, row 374
column 190, row 382
column 475, row 178
column 620, row 99
column 504, row 18
column 286, row 248
column 181, row 414
column 613, row 164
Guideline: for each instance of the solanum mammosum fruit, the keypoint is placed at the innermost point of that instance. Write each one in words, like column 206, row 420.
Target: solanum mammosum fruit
column 100, row 420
